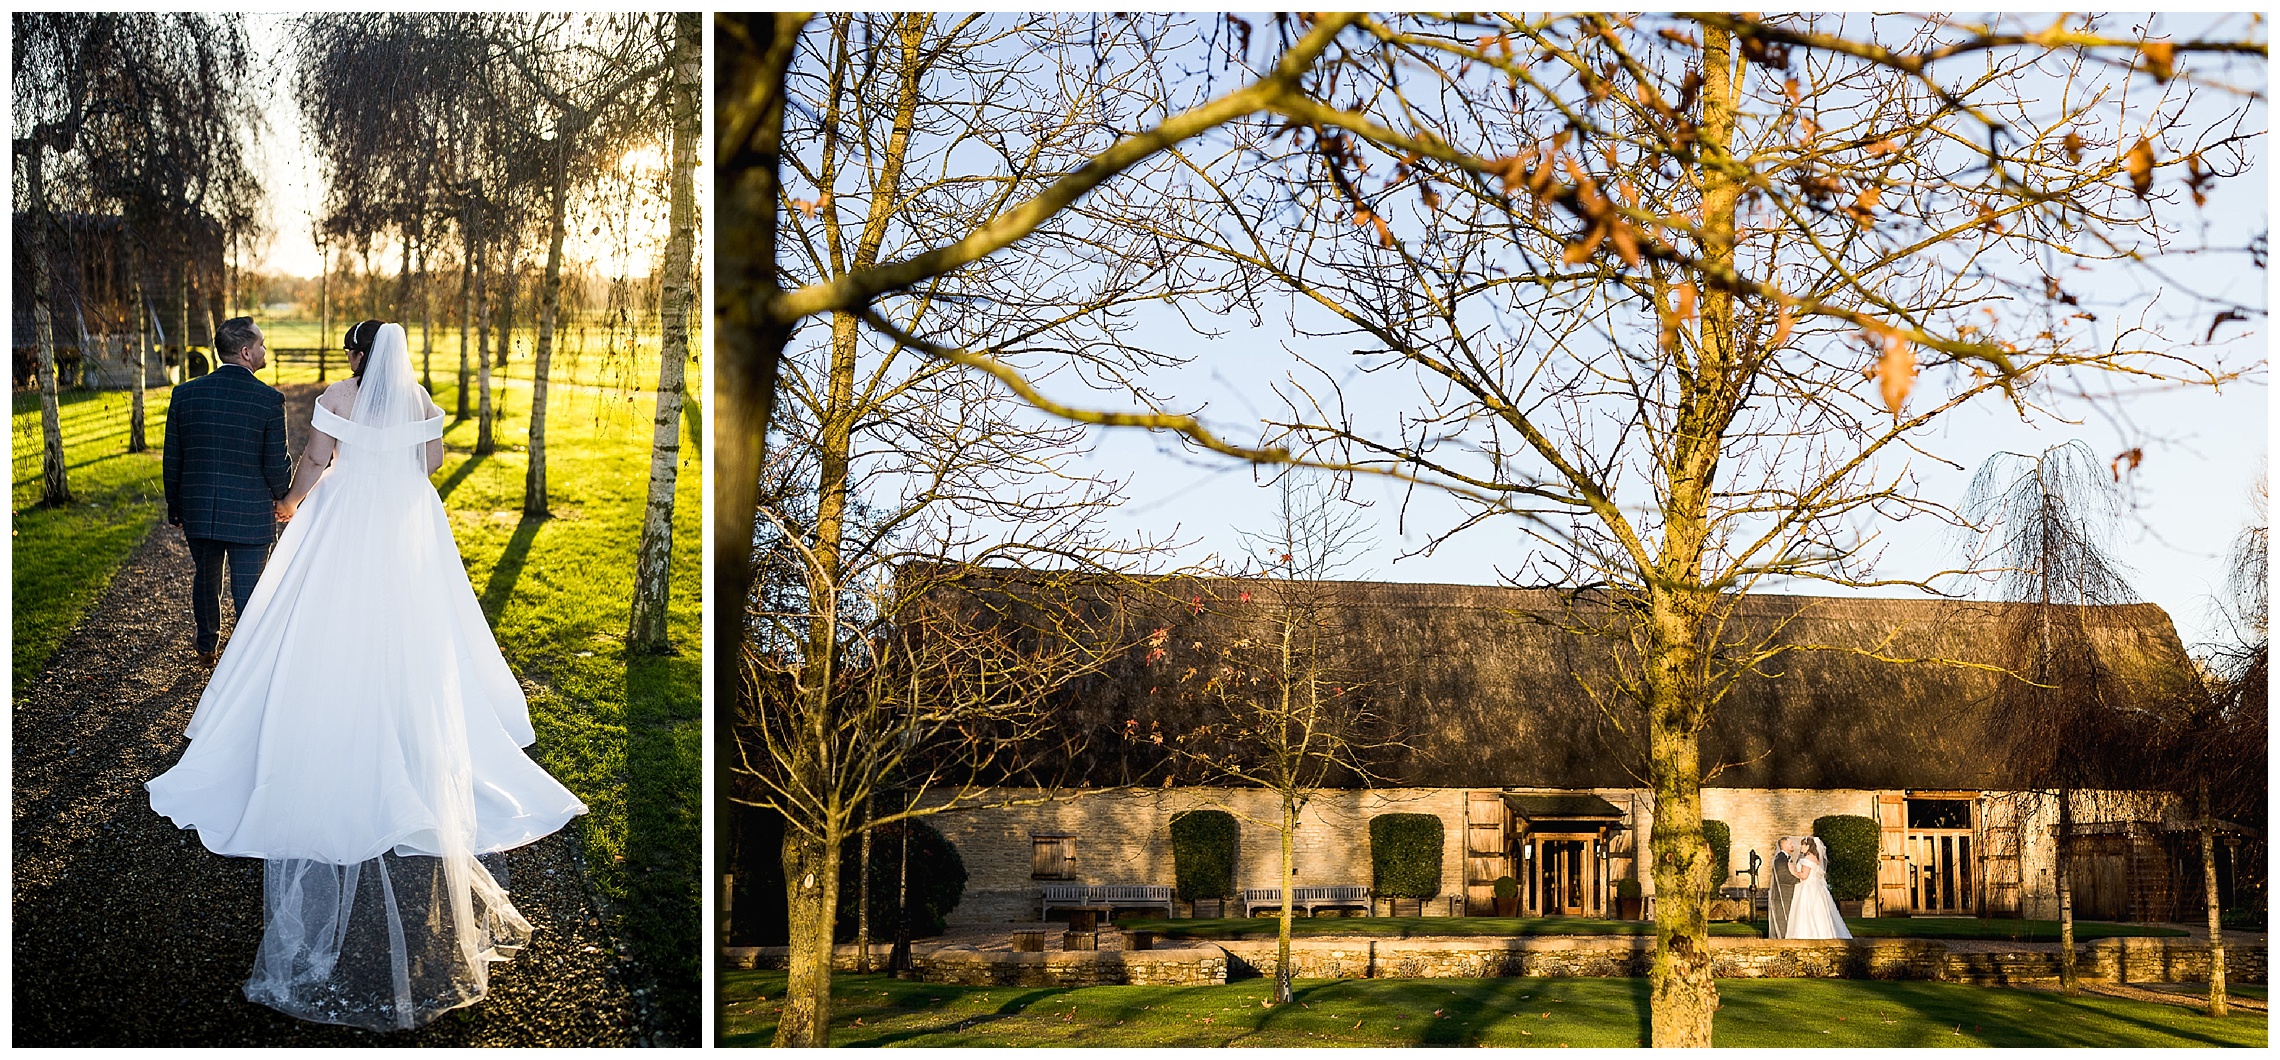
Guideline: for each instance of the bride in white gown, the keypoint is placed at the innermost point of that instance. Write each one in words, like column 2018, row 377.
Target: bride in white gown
column 362, row 734
column 1813, row 912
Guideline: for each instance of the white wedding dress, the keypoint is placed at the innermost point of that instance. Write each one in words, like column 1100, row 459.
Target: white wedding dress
column 1813, row 912
column 363, row 736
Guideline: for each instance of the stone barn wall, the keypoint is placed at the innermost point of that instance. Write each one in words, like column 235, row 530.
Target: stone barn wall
column 1125, row 837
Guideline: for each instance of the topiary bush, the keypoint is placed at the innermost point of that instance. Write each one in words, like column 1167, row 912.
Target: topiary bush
column 937, row 881
column 1628, row 889
column 1203, row 854
column 1854, row 844
column 1506, row 887
column 1721, row 840
column 1405, row 855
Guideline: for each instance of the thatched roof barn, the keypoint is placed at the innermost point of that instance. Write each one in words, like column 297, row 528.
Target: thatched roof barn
column 1477, row 686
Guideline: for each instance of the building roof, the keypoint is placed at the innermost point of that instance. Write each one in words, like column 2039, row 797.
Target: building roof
column 1491, row 687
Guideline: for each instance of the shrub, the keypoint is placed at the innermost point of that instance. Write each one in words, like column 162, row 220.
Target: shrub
column 1405, row 854
column 1721, row 840
column 937, row 881
column 1629, row 889
column 1203, row 854
column 1506, row 887
column 1854, row 843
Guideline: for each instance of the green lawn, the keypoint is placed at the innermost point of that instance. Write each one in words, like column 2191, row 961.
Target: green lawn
column 65, row 556
column 875, row 1011
column 625, row 734
column 1264, row 927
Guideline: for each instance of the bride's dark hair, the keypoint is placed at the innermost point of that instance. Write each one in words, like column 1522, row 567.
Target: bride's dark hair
column 359, row 340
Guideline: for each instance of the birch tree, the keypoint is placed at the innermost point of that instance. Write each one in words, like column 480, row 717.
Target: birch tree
column 652, row 567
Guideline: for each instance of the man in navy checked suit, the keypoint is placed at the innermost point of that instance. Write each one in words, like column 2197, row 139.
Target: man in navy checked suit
column 226, row 468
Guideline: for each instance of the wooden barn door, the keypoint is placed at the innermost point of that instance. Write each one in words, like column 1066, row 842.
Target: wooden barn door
column 1487, row 850
column 1998, row 843
column 2097, row 872
column 1892, row 854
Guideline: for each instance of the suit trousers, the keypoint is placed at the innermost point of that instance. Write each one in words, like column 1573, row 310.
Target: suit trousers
column 208, row 556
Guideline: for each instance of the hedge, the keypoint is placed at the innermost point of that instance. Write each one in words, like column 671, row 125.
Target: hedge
column 1405, row 854
column 1203, row 854
column 937, row 881
column 1721, row 840
column 1854, row 844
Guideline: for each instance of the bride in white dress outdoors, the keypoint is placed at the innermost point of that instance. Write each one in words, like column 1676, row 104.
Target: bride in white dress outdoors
column 1813, row 912
column 362, row 734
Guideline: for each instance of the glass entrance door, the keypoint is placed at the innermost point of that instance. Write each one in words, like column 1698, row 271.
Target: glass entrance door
column 1561, row 870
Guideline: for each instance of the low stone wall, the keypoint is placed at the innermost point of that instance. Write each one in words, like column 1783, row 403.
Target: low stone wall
column 965, row 966
column 2138, row 960
column 1621, row 956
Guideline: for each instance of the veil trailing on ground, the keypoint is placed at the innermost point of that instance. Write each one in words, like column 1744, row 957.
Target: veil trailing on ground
column 390, row 938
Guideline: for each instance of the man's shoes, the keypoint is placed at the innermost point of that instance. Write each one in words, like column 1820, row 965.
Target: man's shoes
column 206, row 659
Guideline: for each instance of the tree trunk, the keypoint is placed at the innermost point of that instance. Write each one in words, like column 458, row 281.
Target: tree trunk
column 137, row 437
column 2068, row 980
column 2217, row 1005
column 484, row 443
column 1282, row 995
column 324, row 311
column 55, row 478
column 182, row 315
column 863, row 897
column 752, row 344
column 404, row 277
column 427, row 322
column 653, row 568
column 1683, row 998
column 466, row 311
column 898, row 959
column 549, row 306
column 811, row 884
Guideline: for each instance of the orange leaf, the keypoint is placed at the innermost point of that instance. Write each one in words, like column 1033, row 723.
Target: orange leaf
column 1896, row 371
column 2160, row 58
column 2140, row 163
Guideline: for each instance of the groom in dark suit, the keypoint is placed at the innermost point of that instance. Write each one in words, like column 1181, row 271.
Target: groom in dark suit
column 226, row 468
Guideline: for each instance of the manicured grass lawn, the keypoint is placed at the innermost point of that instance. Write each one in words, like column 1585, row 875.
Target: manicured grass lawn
column 1471, row 1012
column 65, row 556
column 625, row 734
column 1264, row 927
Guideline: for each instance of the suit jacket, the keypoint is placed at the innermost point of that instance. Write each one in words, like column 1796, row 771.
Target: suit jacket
column 1779, row 891
column 225, row 457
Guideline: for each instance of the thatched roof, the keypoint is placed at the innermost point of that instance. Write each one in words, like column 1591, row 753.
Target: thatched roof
column 1494, row 687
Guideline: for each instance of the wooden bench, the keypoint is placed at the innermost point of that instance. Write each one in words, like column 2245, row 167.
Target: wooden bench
column 1309, row 899
column 1104, row 897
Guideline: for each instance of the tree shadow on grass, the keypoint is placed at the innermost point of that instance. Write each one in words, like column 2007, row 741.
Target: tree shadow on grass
column 508, row 570
column 1022, row 998
column 664, row 775
column 458, row 475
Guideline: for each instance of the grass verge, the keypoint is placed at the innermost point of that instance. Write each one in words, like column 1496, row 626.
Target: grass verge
column 876, row 1011
column 1236, row 928
column 624, row 733
column 65, row 556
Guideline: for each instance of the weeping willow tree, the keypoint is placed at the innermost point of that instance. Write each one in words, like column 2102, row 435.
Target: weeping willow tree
column 2047, row 525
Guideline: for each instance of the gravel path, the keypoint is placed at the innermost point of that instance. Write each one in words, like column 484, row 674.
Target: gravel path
column 128, row 932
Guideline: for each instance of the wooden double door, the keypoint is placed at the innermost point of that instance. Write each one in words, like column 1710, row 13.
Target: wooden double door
column 1564, row 871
